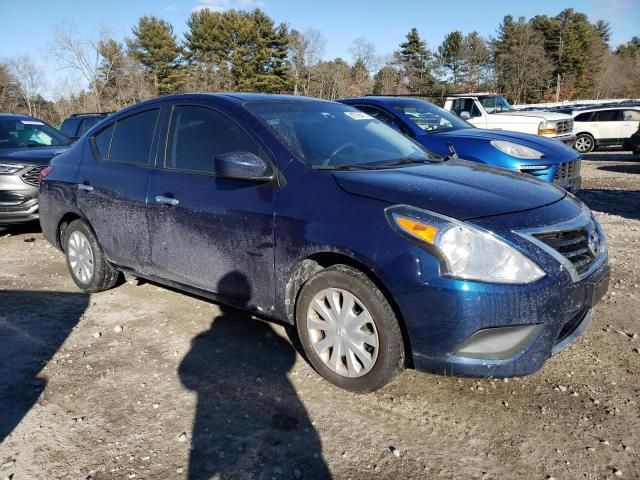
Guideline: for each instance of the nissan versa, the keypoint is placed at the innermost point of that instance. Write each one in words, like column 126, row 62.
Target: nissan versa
column 316, row 214
column 26, row 146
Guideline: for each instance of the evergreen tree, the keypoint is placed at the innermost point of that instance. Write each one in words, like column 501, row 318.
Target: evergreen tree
column 450, row 55
column 245, row 51
column 155, row 46
column 575, row 47
column 417, row 62
column 521, row 64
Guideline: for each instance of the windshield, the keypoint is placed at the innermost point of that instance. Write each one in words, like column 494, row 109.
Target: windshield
column 24, row 133
column 330, row 135
column 495, row 104
column 428, row 117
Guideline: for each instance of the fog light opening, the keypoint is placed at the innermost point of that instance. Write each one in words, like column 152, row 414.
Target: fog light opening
column 498, row 343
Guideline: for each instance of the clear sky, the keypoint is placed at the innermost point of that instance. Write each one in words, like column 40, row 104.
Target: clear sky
column 26, row 26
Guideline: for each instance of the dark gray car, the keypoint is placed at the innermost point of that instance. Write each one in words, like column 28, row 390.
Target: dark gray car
column 26, row 146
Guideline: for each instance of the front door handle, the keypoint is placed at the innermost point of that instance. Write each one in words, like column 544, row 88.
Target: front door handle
column 85, row 188
column 167, row 200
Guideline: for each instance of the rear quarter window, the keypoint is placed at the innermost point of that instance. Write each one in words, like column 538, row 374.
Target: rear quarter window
column 102, row 141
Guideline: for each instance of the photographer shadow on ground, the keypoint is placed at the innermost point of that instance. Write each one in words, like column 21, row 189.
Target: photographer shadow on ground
column 249, row 421
column 33, row 326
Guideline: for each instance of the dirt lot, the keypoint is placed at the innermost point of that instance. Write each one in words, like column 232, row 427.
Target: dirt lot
column 143, row 382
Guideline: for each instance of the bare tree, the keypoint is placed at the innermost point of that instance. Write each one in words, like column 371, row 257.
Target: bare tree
column 82, row 56
column 365, row 51
column 30, row 81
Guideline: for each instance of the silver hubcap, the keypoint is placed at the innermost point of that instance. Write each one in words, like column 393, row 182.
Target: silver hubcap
column 583, row 144
column 342, row 332
column 80, row 256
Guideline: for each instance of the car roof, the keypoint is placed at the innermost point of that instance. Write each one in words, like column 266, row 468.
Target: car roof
column 231, row 97
column 18, row 116
column 607, row 107
column 381, row 99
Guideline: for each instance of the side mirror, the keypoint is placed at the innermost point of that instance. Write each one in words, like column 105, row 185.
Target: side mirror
column 241, row 165
column 465, row 115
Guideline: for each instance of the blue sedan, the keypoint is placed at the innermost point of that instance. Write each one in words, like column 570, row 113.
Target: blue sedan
column 316, row 215
column 438, row 130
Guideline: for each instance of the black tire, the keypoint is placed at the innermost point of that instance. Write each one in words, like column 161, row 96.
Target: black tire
column 104, row 275
column 390, row 359
column 585, row 143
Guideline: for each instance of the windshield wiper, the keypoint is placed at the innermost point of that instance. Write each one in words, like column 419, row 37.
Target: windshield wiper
column 408, row 161
column 353, row 166
column 453, row 155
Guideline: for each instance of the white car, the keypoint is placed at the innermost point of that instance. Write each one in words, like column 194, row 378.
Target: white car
column 598, row 126
column 485, row 110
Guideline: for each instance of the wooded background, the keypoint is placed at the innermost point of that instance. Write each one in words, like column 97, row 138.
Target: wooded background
column 541, row 59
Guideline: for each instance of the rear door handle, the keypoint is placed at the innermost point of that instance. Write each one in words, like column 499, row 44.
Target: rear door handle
column 85, row 188
column 167, row 200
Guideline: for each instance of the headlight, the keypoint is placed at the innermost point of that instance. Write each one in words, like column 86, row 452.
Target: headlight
column 517, row 150
column 465, row 251
column 547, row 127
column 9, row 168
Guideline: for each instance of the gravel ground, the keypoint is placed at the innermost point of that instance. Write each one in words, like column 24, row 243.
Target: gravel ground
column 144, row 382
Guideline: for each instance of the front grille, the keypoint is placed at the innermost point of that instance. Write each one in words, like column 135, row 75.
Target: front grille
column 579, row 246
column 570, row 327
column 564, row 126
column 567, row 172
column 31, row 175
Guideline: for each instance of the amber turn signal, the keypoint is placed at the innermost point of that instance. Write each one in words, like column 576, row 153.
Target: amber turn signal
column 419, row 230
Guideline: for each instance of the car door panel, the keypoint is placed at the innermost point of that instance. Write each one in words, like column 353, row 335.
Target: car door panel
column 218, row 233
column 609, row 125
column 113, row 195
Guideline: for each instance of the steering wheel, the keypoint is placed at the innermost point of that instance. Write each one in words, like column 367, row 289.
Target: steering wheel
column 338, row 150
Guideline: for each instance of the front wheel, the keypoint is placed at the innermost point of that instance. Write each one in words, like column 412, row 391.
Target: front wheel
column 584, row 143
column 88, row 266
column 348, row 330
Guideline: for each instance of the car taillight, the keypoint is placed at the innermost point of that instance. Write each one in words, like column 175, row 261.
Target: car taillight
column 44, row 174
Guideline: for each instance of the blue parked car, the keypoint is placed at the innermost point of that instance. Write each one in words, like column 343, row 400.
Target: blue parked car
column 315, row 214
column 436, row 129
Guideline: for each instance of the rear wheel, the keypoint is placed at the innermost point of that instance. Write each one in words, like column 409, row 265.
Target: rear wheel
column 348, row 330
column 584, row 143
column 88, row 266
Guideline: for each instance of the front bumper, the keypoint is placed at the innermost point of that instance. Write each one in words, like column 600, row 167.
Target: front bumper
column 569, row 139
column 451, row 323
column 18, row 200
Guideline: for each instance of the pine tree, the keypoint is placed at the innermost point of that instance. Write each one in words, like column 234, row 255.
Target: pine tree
column 417, row 61
column 450, row 55
column 155, row 46
column 242, row 51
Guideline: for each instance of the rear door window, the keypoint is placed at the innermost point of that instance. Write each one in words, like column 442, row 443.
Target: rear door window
column 132, row 138
column 197, row 134
column 87, row 123
column 70, row 126
column 608, row 116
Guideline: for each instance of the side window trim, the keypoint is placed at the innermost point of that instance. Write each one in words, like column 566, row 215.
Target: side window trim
column 163, row 146
column 114, row 124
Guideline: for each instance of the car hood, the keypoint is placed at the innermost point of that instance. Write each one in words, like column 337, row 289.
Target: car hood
column 458, row 189
column 30, row 156
column 547, row 146
column 538, row 114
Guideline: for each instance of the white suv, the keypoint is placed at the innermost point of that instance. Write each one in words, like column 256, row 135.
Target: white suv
column 598, row 126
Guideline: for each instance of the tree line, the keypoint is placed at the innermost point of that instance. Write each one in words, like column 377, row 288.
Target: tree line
column 540, row 59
